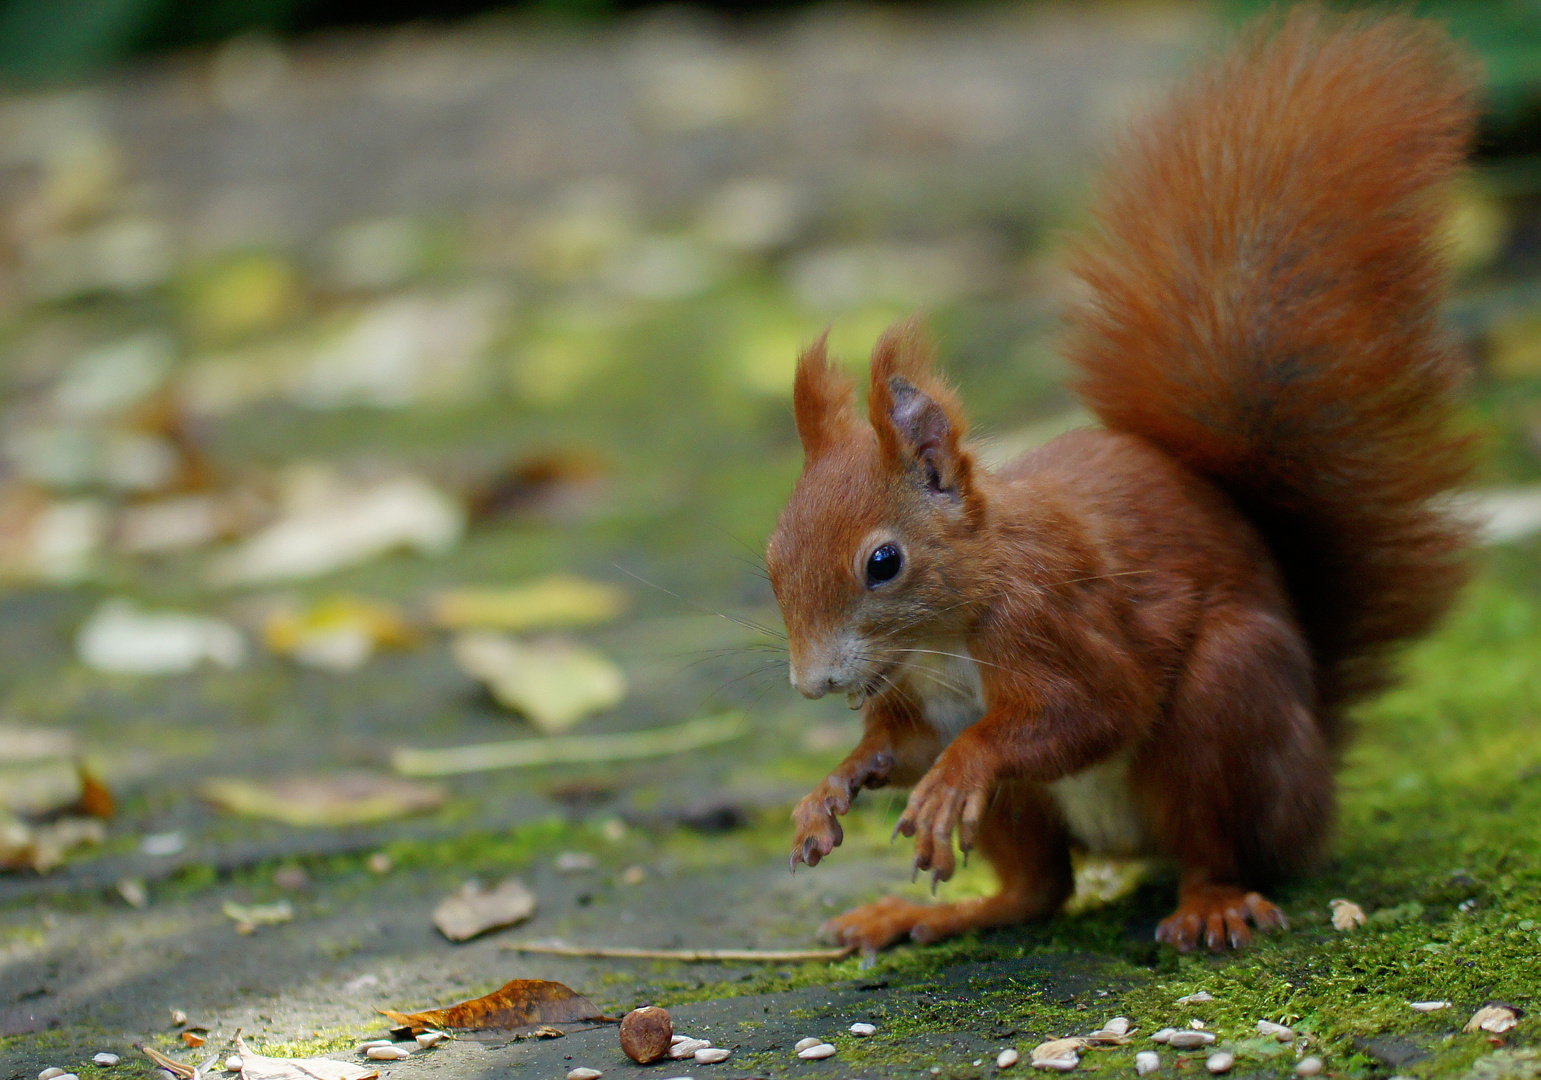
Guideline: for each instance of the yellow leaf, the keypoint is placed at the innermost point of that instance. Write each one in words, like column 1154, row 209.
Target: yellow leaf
column 336, row 800
column 555, row 683
column 556, row 602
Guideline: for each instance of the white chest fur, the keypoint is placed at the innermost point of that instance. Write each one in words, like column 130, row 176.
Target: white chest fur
column 945, row 676
column 1097, row 805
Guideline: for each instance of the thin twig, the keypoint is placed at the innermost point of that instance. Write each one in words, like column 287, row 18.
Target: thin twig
column 763, row 956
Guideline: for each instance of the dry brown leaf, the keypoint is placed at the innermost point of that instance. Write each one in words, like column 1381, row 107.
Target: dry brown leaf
column 351, row 798
column 518, row 1004
column 256, row 1066
column 471, row 909
column 95, row 799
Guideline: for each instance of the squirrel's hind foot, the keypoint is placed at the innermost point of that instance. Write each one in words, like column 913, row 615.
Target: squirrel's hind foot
column 1217, row 916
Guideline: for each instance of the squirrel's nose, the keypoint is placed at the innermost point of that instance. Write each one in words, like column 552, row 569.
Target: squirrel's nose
column 815, row 684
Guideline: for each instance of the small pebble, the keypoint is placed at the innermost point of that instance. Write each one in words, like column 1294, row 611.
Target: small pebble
column 816, row 1053
column 375, row 1042
column 134, row 893
column 1308, row 1066
column 1007, row 1058
column 1146, row 1062
column 178, row 1018
column 1188, row 1040
column 431, row 1038
column 1278, row 1031
column 1220, row 1062
column 576, row 862
column 687, row 1048
column 584, row 1074
column 380, row 863
column 1119, row 1025
column 50, row 1072
column 861, row 1031
column 712, row 1055
column 290, row 877
column 106, row 1059
column 233, row 1063
column 1196, row 1025
column 386, row 1053
column 1163, row 1035
column 978, row 1062
column 1195, row 999
column 633, row 875
column 803, row 1044
column 1428, row 1006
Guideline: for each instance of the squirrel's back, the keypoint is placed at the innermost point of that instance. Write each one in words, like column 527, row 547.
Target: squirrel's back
column 1263, row 300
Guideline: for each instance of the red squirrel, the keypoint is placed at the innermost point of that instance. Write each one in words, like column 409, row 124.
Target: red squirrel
column 1142, row 638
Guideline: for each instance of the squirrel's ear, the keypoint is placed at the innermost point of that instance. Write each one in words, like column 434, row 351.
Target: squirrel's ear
column 920, row 425
column 821, row 400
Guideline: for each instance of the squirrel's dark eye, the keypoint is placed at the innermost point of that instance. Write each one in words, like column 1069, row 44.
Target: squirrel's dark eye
column 883, row 564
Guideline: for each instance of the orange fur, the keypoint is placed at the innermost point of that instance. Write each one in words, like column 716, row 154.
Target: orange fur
column 1142, row 638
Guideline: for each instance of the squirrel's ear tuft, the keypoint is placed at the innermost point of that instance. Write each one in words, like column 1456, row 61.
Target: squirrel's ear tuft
column 920, row 425
column 821, row 399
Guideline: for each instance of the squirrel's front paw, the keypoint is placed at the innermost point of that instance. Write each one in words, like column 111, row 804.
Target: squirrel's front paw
column 951, row 796
column 817, row 816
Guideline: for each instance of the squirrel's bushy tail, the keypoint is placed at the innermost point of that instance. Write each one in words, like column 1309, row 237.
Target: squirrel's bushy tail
column 1263, row 294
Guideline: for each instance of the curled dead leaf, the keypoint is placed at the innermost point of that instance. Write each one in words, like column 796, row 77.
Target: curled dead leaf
column 518, row 1004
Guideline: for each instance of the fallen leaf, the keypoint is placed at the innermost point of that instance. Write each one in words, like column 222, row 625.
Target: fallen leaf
column 569, row 749
column 472, row 910
column 1346, row 915
column 43, row 847
column 95, row 800
column 331, row 524
column 553, row 682
column 333, row 800
column 520, row 1003
column 259, row 1067
column 122, row 639
column 545, row 1031
column 563, row 485
column 247, row 917
column 558, row 602
column 339, row 634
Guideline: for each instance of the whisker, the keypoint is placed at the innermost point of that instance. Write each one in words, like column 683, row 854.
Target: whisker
column 747, row 624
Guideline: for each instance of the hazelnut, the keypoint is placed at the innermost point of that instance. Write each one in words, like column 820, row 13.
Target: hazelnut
column 646, row 1033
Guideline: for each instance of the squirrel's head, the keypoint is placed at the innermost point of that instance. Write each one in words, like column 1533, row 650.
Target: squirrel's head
column 865, row 558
